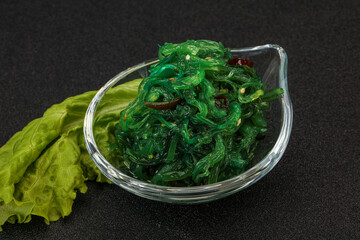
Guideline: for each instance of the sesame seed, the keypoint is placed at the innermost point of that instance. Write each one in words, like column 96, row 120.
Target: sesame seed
column 238, row 123
column 242, row 91
column 187, row 57
column 208, row 58
column 151, row 156
column 125, row 117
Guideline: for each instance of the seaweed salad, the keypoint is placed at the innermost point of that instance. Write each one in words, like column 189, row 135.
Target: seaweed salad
column 198, row 117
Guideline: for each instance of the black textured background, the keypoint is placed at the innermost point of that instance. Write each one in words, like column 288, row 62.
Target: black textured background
column 50, row 50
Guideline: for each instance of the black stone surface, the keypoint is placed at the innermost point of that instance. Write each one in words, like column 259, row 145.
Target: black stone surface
column 50, row 50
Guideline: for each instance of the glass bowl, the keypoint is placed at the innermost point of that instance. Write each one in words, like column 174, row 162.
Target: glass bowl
column 271, row 65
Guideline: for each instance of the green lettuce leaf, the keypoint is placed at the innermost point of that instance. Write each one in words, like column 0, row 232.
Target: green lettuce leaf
column 44, row 165
column 51, row 182
column 15, row 210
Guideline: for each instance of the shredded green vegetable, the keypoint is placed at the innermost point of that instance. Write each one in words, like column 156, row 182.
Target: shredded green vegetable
column 197, row 117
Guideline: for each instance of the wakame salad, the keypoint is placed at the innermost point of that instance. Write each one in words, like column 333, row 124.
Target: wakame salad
column 198, row 117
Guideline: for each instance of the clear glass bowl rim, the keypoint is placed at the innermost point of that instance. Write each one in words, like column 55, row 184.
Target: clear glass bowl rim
column 237, row 183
